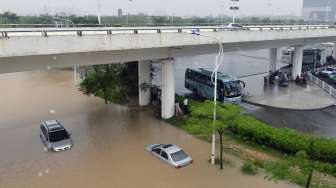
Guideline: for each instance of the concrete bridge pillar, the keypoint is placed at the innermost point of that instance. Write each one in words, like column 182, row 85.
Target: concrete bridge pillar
column 273, row 56
column 75, row 75
column 168, row 89
column 144, row 71
column 334, row 50
column 297, row 61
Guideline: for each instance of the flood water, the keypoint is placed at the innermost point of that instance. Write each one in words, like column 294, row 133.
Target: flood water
column 109, row 142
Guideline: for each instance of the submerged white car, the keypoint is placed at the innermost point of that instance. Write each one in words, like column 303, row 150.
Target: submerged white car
column 171, row 154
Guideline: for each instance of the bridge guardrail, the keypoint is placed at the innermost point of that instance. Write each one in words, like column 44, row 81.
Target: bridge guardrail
column 16, row 32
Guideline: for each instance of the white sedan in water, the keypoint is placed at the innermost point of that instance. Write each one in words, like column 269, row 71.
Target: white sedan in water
column 171, row 154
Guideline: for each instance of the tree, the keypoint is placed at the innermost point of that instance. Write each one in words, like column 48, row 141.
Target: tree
column 104, row 81
column 301, row 161
column 226, row 115
column 9, row 17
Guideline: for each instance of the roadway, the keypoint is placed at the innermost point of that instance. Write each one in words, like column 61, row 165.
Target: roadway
column 320, row 122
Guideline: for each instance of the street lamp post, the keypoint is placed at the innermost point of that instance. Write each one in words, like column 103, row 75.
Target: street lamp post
column 128, row 14
column 99, row 11
column 218, row 62
column 234, row 8
column 327, row 13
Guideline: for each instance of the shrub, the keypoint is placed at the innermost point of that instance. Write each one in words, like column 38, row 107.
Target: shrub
column 286, row 140
column 249, row 168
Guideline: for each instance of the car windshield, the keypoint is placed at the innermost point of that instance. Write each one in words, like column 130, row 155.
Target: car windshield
column 58, row 136
column 330, row 69
column 178, row 156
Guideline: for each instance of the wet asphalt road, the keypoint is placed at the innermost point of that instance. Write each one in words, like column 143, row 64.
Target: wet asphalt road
column 321, row 122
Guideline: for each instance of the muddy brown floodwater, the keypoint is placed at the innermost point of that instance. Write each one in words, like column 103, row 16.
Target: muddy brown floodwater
column 108, row 147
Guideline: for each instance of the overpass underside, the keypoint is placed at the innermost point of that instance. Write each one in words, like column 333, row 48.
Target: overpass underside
column 28, row 53
column 61, row 60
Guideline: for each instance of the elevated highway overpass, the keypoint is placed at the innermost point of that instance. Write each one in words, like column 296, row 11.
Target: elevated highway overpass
column 36, row 48
column 25, row 49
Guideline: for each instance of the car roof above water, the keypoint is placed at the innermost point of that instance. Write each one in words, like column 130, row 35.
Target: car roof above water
column 170, row 148
column 53, row 125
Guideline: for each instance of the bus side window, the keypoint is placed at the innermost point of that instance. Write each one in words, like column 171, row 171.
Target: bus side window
column 195, row 76
column 205, row 79
column 208, row 81
column 220, row 84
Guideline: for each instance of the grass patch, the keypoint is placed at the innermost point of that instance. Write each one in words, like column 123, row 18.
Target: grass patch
column 249, row 168
column 256, row 137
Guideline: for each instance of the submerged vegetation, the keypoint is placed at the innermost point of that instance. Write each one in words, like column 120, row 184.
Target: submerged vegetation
column 286, row 154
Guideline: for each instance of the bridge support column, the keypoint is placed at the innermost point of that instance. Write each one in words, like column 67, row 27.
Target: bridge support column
column 273, row 56
column 334, row 50
column 168, row 89
column 297, row 61
column 75, row 75
column 144, row 78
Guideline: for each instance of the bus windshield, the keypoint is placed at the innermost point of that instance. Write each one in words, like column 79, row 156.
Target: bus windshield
column 232, row 89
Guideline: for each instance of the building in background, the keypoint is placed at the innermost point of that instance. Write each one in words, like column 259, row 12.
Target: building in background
column 319, row 10
column 120, row 12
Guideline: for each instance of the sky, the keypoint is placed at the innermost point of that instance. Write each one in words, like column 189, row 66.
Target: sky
column 154, row 7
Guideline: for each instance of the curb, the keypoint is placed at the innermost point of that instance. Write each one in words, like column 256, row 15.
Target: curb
column 283, row 108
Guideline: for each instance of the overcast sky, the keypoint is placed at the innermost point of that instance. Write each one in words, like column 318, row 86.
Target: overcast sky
column 160, row 7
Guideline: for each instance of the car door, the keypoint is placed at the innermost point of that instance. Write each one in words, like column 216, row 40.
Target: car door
column 164, row 156
column 156, row 152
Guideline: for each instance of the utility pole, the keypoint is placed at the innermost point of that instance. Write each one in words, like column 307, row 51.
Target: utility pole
column 327, row 13
column 234, row 8
column 128, row 14
column 99, row 11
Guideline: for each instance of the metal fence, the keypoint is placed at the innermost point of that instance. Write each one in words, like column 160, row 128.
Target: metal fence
column 325, row 86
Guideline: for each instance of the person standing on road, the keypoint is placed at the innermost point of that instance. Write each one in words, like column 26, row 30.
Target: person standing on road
column 178, row 110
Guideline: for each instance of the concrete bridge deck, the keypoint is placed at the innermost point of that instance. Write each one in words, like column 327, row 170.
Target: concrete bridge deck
column 30, row 49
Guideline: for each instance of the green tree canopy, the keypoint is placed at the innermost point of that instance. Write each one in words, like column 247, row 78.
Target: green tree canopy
column 225, row 116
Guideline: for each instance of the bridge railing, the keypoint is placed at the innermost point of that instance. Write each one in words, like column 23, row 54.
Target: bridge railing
column 121, row 24
column 15, row 32
column 325, row 86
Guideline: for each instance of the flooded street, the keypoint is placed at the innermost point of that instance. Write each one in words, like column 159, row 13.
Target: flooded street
column 109, row 142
